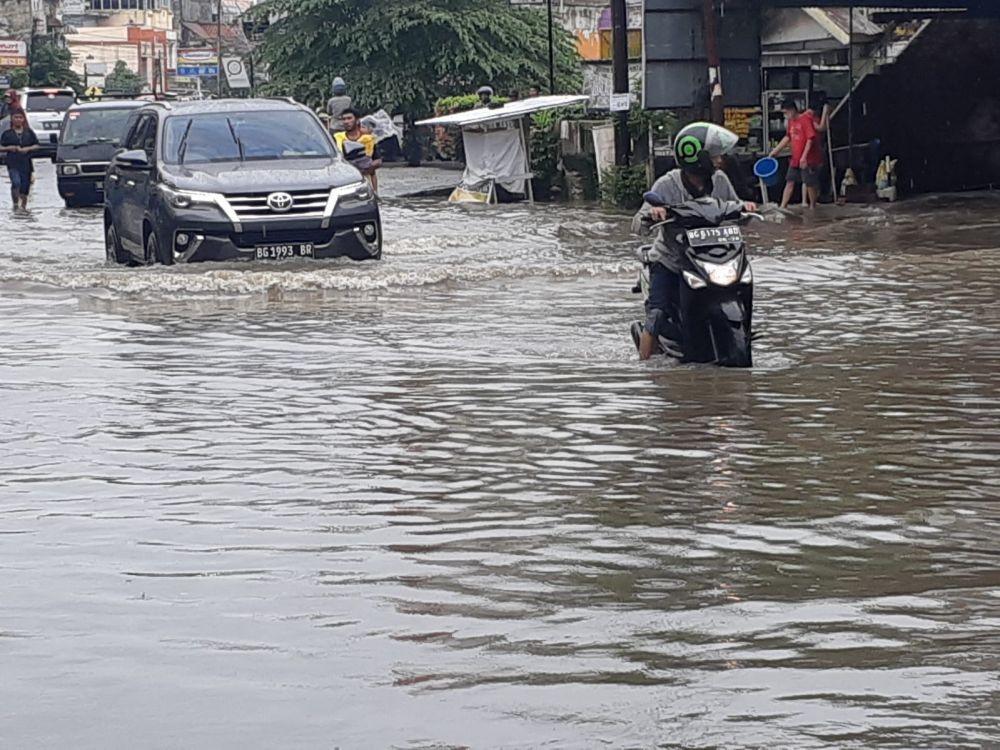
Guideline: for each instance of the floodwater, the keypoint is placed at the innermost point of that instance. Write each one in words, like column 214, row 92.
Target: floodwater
column 436, row 502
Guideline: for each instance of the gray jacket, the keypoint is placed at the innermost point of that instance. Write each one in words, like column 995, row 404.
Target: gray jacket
column 672, row 190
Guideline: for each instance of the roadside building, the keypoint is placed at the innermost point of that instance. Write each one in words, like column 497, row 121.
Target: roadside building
column 140, row 33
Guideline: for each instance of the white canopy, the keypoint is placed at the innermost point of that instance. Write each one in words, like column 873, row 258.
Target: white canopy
column 510, row 111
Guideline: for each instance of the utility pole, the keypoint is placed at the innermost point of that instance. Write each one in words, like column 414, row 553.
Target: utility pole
column 619, row 65
column 850, row 89
column 714, row 62
column 218, row 47
column 552, row 54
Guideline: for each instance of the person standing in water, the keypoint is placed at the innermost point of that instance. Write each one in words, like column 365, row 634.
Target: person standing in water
column 337, row 104
column 17, row 143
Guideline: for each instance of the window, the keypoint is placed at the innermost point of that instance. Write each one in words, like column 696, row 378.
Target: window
column 95, row 126
column 143, row 136
column 244, row 136
column 49, row 101
column 634, row 44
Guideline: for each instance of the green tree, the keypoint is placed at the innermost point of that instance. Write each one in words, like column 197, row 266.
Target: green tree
column 124, row 80
column 50, row 66
column 406, row 54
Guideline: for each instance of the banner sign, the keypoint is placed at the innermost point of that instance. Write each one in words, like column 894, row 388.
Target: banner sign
column 197, row 63
column 236, row 73
column 13, row 53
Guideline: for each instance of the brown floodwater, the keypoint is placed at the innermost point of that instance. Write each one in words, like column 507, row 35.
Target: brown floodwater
column 436, row 502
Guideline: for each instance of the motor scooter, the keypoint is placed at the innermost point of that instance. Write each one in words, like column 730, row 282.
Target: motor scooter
column 710, row 318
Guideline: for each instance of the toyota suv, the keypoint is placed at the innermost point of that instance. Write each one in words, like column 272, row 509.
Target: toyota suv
column 240, row 179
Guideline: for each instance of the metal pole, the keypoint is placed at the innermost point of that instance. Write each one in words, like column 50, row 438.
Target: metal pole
column 850, row 88
column 619, row 65
column 552, row 54
column 218, row 61
column 714, row 63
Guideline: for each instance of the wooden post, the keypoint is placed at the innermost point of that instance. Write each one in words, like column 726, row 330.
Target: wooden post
column 711, row 32
column 619, row 65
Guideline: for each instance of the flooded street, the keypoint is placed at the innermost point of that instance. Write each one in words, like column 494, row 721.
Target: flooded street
column 435, row 502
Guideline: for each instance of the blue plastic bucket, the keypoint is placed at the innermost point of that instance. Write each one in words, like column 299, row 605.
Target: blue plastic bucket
column 766, row 170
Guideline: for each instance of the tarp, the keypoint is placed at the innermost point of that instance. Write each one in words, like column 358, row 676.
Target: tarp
column 494, row 155
column 510, row 111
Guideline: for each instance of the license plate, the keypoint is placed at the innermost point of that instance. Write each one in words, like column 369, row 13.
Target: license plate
column 280, row 252
column 706, row 236
column 50, row 125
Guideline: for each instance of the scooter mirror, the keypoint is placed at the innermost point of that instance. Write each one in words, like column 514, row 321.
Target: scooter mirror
column 653, row 199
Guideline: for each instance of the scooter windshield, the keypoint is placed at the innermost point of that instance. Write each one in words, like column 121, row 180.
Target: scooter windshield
column 705, row 212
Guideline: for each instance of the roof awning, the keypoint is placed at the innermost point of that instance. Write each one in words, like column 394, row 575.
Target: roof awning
column 210, row 33
column 510, row 111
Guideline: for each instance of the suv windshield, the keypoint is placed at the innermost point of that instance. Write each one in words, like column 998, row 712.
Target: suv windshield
column 41, row 101
column 243, row 136
column 95, row 126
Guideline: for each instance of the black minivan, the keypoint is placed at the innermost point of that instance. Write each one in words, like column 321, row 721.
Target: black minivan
column 235, row 179
column 91, row 135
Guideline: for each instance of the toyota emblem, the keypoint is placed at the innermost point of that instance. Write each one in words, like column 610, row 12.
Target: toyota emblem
column 280, row 202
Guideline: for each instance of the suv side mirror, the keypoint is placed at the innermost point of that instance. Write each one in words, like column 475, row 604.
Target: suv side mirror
column 135, row 159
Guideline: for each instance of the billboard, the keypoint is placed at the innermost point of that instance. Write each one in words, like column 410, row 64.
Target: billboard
column 13, row 53
column 197, row 63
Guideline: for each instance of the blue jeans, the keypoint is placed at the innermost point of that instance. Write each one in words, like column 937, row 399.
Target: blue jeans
column 663, row 291
column 20, row 179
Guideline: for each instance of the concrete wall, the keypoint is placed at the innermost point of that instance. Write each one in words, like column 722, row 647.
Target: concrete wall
column 16, row 18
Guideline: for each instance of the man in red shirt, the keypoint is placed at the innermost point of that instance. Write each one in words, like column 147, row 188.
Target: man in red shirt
column 807, row 155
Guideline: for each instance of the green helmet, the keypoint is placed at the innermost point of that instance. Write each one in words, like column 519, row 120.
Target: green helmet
column 702, row 136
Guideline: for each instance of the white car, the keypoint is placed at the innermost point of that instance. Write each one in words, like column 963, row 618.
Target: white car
column 46, row 110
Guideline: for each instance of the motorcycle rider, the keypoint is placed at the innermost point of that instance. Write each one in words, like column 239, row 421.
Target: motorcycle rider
column 695, row 177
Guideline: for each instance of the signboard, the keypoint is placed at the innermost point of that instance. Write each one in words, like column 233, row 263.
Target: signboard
column 13, row 53
column 197, row 63
column 236, row 73
column 4, row 82
column 620, row 102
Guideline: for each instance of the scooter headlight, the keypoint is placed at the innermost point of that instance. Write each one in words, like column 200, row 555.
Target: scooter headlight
column 693, row 281
column 721, row 274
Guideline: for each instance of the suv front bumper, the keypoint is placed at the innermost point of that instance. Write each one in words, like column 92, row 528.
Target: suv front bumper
column 353, row 232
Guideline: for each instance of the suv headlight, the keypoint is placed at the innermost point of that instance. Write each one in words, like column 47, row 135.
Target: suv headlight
column 187, row 198
column 721, row 274
column 69, row 170
column 357, row 191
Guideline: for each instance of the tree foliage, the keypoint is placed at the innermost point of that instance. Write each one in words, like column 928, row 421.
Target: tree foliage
column 406, row 54
column 124, row 80
column 50, row 66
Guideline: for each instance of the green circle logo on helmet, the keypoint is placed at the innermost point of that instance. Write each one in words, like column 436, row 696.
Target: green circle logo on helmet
column 687, row 149
column 703, row 136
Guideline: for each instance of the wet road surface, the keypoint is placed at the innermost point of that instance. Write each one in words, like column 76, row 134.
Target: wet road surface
column 435, row 502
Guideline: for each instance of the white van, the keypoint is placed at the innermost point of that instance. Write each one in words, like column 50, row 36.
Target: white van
column 46, row 110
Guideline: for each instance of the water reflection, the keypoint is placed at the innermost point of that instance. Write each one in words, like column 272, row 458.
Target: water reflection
column 438, row 503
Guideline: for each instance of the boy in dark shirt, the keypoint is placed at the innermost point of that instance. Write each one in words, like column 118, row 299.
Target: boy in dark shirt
column 17, row 143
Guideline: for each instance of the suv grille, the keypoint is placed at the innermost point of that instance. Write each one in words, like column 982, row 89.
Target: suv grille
column 254, row 206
